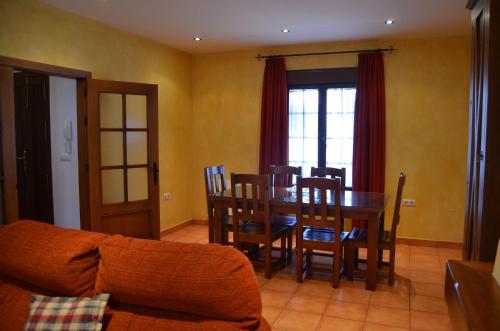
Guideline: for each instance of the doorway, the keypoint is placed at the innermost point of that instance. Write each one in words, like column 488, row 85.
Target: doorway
column 33, row 146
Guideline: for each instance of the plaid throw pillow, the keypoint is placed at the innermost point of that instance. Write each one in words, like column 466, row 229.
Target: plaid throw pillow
column 65, row 313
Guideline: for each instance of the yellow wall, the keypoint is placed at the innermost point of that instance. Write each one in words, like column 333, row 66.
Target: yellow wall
column 427, row 114
column 209, row 107
column 34, row 31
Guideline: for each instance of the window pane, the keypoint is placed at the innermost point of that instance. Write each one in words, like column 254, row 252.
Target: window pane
column 303, row 128
column 340, row 129
column 137, row 148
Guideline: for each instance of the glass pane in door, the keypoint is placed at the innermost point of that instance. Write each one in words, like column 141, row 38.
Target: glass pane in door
column 112, row 186
column 137, row 184
column 136, row 111
column 303, row 129
column 111, row 148
column 340, row 129
column 137, row 148
column 110, row 110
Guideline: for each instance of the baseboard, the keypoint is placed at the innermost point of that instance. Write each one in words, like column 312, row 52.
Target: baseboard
column 200, row 222
column 183, row 225
column 429, row 243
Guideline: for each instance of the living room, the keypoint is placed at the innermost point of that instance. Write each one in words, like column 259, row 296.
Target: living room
column 209, row 98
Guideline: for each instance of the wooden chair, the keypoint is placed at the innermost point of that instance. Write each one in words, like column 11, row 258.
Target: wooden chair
column 332, row 172
column 318, row 228
column 252, row 217
column 282, row 176
column 215, row 182
column 358, row 238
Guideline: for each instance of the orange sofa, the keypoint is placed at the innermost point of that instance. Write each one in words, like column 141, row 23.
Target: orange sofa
column 154, row 285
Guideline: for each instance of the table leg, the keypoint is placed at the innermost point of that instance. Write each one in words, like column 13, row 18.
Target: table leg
column 210, row 223
column 372, row 252
column 217, row 223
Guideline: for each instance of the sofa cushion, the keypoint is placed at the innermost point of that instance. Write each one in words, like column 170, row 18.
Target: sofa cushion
column 66, row 313
column 60, row 260
column 208, row 280
column 15, row 302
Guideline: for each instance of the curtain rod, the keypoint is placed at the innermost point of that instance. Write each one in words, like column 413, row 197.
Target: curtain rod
column 390, row 49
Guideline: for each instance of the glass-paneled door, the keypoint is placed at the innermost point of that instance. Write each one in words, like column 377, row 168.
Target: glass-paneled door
column 123, row 154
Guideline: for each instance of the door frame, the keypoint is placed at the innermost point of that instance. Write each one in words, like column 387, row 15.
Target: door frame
column 8, row 134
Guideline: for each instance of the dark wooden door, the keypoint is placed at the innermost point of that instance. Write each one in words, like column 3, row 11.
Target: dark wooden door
column 34, row 172
column 123, row 158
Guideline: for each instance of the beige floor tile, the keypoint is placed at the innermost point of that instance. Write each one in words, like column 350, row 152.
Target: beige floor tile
column 274, row 298
column 352, row 295
column 425, row 262
column 430, row 321
column 427, row 289
column 380, row 327
column 450, row 253
column 428, row 304
column 307, row 304
column 427, row 277
column 347, row 310
column 290, row 320
column 389, row 316
column 281, row 285
column 340, row 324
column 390, row 299
column 426, row 250
column 319, row 289
column 271, row 313
column 399, row 285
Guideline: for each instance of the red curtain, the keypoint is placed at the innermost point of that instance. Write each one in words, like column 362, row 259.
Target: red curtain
column 369, row 127
column 274, row 116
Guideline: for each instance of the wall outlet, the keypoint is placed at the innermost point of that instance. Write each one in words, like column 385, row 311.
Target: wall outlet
column 166, row 196
column 409, row 202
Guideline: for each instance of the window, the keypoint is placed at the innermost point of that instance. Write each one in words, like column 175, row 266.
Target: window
column 321, row 122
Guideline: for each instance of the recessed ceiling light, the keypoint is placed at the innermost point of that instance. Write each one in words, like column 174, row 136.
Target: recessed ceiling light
column 197, row 39
column 285, row 30
column 389, row 21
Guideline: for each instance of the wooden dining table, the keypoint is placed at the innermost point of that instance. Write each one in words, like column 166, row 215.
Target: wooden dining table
column 369, row 206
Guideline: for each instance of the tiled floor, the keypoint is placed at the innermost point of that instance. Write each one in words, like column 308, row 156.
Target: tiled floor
column 415, row 302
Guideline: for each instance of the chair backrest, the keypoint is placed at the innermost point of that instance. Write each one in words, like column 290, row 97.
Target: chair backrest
column 397, row 206
column 315, row 213
column 215, row 179
column 253, row 202
column 283, row 175
column 332, row 172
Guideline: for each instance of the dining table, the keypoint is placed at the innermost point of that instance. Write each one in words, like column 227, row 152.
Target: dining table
column 369, row 206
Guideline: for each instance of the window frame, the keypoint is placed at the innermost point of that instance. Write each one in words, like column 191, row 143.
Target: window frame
column 322, row 80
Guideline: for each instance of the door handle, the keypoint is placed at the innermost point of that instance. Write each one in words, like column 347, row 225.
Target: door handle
column 155, row 173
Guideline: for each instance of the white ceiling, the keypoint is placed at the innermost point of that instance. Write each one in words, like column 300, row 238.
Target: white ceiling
column 241, row 24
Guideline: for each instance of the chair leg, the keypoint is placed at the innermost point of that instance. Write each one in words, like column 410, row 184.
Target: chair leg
column 380, row 257
column 299, row 264
column 349, row 261
column 283, row 250
column 356, row 257
column 336, row 270
column 267, row 260
column 309, row 253
column 392, row 262
column 289, row 248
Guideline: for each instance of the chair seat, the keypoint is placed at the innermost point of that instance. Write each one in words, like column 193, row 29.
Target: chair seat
column 360, row 235
column 258, row 228
column 323, row 235
column 288, row 221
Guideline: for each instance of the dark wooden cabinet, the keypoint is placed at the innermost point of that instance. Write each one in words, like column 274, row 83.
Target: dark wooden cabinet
column 482, row 218
column 473, row 296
